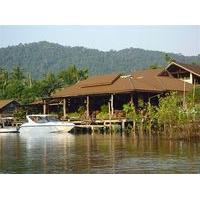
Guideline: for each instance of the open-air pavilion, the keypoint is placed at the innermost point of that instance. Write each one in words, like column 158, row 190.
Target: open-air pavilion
column 115, row 90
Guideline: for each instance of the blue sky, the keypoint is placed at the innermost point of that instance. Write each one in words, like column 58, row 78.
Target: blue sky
column 176, row 39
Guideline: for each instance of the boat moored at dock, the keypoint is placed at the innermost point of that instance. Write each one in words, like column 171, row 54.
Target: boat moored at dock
column 44, row 124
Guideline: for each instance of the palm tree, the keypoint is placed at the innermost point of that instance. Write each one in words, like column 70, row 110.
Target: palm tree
column 17, row 73
column 3, row 80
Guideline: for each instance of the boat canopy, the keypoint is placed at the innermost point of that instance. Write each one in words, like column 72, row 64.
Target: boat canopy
column 42, row 118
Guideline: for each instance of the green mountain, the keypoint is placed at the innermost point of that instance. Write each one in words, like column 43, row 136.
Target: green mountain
column 38, row 58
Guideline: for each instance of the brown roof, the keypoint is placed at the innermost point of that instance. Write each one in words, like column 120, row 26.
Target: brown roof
column 37, row 102
column 161, row 83
column 5, row 102
column 193, row 68
column 145, row 80
column 107, row 79
column 148, row 72
column 40, row 102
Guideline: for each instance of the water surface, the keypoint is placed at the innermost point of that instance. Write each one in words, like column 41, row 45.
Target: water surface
column 66, row 153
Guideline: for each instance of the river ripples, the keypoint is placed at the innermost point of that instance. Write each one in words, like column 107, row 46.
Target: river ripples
column 66, row 153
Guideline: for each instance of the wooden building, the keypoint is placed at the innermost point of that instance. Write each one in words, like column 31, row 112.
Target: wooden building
column 7, row 107
column 115, row 90
column 187, row 72
column 39, row 106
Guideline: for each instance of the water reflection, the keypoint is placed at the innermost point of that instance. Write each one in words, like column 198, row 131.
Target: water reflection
column 66, row 153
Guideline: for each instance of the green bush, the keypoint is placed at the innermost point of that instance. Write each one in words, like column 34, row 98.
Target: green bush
column 19, row 114
column 81, row 110
column 104, row 112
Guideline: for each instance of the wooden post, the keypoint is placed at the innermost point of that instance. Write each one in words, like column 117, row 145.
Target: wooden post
column 191, row 78
column 193, row 93
column 112, row 104
column 131, row 98
column 88, row 106
column 184, row 101
column 44, row 107
column 123, row 124
column 64, row 108
column 109, row 111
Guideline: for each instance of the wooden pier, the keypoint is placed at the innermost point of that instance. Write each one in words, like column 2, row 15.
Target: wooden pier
column 102, row 126
column 10, row 122
column 81, row 126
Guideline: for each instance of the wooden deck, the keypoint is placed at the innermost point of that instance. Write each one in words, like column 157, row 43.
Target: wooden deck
column 89, row 125
column 102, row 125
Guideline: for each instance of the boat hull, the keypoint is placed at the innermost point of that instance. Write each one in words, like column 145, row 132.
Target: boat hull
column 45, row 129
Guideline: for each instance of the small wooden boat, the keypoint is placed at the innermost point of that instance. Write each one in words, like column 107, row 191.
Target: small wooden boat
column 9, row 130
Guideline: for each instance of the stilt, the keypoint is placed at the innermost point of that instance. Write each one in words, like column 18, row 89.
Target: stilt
column 112, row 104
column 109, row 111
column 123, row 125
column 131, row 98
column 64, row 108
column 44, row 107
column 88, row 106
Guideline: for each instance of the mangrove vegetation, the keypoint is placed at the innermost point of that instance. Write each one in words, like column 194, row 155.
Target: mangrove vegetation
column 173, row 116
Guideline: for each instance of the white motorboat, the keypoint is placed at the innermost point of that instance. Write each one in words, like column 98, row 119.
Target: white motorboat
column 44, row 124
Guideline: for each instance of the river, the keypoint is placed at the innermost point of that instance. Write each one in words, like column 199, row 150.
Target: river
column 88, row 154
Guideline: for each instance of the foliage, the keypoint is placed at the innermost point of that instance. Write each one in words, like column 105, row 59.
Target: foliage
column 81, row 110
column 74, row 115
column 49, row 84
column 151, row 113
column 104, row 109
column 42, row 57
column 129, row 109
column 197, row 111
column 193, row 97
column 167, row 110
column 104, row 112
column 20, row 86
column 168, row 58
column 71, row 74
column 19, row 114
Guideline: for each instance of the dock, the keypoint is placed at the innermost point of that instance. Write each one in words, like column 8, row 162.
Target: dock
column 83, row 126
column 102, row 126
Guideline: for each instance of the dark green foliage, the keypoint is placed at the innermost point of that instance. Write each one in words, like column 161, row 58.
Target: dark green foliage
column 193, row 97
column 168, row 58
column 49, row 84
column 104, row 109
column 81, row 110
column 104, row 112
column 42, row 57
column 71, row 74
column 17, row 85
column 19, row 114
column 168, row 115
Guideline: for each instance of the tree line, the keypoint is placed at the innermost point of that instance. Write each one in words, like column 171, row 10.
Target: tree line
column 16, row 84
column 40, row 57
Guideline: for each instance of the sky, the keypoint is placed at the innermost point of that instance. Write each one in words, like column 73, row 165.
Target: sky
column 177, row 39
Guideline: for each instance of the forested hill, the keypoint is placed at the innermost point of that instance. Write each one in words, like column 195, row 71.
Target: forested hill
column 38, row 58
